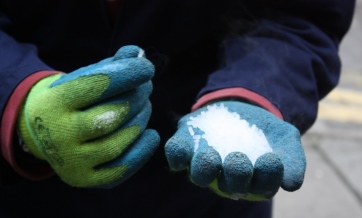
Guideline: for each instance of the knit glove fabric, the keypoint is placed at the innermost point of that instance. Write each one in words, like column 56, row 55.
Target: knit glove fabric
column 89, row 125
column 238, row 150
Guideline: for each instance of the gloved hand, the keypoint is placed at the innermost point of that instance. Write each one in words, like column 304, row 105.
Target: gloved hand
column 90, row 124
column 238, row 150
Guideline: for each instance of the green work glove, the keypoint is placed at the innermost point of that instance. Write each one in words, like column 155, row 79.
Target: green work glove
column 89, row 125
column 238, row 150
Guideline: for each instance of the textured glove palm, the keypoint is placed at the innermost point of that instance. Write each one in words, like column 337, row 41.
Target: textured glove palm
column 238, row 150
column 89, row 124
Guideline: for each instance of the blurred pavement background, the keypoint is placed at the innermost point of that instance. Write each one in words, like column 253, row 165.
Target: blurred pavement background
column 333, row 146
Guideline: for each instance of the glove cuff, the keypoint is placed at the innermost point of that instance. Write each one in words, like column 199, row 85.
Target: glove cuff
column 239, row 93
column 8, row 123
column 26, row 135
column 22, row 121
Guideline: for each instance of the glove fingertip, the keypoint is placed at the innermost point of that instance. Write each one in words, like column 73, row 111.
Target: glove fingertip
column 268, row 175
column 179, row 151
column 293, row 179
column 206, row 166
column 291, row 186
column 237, row 173
column 294, row 167
column 129, row 51
column 136, row 156
column 153, row 137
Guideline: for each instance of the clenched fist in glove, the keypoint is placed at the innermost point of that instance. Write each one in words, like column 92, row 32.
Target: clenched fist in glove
column 89, row 125
column 238, row 150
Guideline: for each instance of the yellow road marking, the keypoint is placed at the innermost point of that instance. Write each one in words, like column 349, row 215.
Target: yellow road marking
column 351, row 76
column 345, row 96
column 342, row 105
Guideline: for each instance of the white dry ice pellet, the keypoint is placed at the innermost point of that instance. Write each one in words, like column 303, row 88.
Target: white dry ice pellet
column 105, row 119
column 226, row 132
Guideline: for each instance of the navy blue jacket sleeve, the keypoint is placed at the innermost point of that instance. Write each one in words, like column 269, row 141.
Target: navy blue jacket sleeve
column 18, row 60
column 290, row 57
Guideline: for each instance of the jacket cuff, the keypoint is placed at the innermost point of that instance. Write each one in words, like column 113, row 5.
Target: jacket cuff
column 33, row 171
column 241, row 93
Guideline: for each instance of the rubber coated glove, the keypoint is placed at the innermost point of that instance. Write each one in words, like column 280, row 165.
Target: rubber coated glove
column 238, row 150
column 89, row 124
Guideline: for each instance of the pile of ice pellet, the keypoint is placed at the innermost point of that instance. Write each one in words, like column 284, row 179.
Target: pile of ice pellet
column 226, row 132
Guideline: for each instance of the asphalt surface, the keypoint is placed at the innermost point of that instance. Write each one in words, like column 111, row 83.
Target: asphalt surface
column 333, row 146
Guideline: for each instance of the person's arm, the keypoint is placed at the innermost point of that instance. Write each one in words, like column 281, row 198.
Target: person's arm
column 75, row 123
column 290, row 58
column 20, row 68
column 18, row 61
column 285, row 64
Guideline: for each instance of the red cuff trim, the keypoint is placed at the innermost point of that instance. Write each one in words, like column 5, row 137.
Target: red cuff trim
column 8, row 125
column 238, row 93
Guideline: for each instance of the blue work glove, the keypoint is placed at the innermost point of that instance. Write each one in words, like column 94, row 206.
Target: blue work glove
column 238, row 150
column 89, row 125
